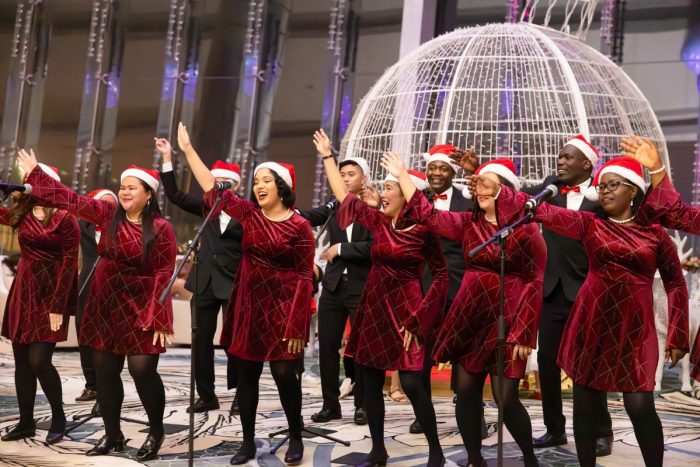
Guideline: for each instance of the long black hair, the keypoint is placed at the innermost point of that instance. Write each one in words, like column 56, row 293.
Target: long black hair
column 288, row 197
column 150, row 212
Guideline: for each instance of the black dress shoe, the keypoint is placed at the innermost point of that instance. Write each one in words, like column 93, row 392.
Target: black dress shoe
column 295, row 453
column 105, row 446
column 603, row 446
column 326, row 415
column 235, row 408
column 547, row 440
column 149, row 448
column 360, row 417
column 243, row 455
column 415, row 428
column 87, row 395
column 19, row 433
column 203, row 406
column 373, row 460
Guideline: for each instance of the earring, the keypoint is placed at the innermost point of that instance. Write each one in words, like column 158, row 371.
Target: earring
column 631, row 202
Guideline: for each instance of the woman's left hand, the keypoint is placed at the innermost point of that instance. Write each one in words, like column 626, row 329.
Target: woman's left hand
column 56, row 320
column 393, row 163
column 294, row 346
column 409, row 338
column 370, row 196
column 26, row 160
column 164, row 337
column 674, row 356
column 521, row 352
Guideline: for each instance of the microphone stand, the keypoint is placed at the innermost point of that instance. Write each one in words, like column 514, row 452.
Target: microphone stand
column 500, row 237
column 193, row 248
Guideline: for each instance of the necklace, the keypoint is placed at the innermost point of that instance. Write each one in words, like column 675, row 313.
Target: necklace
column 492, row 221
column 622, row 221
column 38, row 213
column 283, row 217
column 134, row 221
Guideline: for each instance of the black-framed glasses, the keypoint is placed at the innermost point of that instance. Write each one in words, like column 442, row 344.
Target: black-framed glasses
column 611, row 186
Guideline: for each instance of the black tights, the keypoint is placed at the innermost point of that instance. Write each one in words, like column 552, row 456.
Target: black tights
column 32, row 362
column 413, row 385
column 469, row 407
column 285, row 374
column 110, row 391
column 589, row 407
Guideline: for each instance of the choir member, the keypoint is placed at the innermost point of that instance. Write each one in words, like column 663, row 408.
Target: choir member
column 468, row 335
column 43, row 296
column 123, row 319
column 219, row 256
column 89, row 238
column 665, row 206
column 394, row 319
column 609, row 342
column 272, row 304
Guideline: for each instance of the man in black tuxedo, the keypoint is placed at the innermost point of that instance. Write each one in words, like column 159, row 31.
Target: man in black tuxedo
column 567, row 267
column 343, row 282
column 220, row 253
column 89, row 238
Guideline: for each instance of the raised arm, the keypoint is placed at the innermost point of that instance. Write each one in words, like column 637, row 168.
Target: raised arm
column 646, row 153
column 184, row 201
column 664, row 205
column 199, row 170
column 450, row 225
column 323, row 146
column 394, row 164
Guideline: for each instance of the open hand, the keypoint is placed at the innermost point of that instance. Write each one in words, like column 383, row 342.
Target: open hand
column 322, row 143
column 27, row 161
column 183, row 137
column 393, row 163
column 370, row 195
column 481, row 186
column 162, row 337
column 467, row 159
column 643, row 151
column 294, row 346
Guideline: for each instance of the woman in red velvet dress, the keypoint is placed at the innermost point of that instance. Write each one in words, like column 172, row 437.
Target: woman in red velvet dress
column 469, row 333
column 122, row 318
column 394, row 320
column 665, row 206
column 42, row 297
column 272, row 306
column 609, row 342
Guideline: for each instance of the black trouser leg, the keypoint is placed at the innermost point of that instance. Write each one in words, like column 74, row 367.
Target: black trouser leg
column 413, row 384
column 286, row 376
column 207, row 312
column 144, row 370
column 110, row 390
column 374, row 405
column 85, row 351
column 248, row 394
column 647, row 426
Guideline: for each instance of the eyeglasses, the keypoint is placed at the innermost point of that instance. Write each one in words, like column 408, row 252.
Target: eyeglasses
column 611, row 186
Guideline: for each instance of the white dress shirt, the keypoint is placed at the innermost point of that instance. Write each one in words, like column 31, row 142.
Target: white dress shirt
column 444, row 204
column 573, row 199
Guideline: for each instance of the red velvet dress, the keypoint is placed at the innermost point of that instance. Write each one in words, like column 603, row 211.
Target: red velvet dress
column 469, row 332
column 609, row 342
column 273, row 286
column 664, row 205
column 122, row 310
column 46, row 281
column 392, row 297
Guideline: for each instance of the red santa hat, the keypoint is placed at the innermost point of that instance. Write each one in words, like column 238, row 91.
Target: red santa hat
column 285, row 171
column 149, row 177
column 418, row 178
column 50, row 171
column 625, row 167
column 100, row 192
column 222, row 169
column 502, row 167
column 360, row 162
column 581, row 143
column 441, row 153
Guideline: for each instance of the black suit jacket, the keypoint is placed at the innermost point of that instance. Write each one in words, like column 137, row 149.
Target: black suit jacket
column 88, row 250
column 355, row 252
column 566, row 258
column 219, row 253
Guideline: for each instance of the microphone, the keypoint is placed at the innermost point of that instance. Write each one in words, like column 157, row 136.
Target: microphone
column 548, row 192
column 225, row 185
column 10, row 187
column 332, row 205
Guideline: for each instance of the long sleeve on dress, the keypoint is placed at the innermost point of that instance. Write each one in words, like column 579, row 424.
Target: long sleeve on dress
column 450, row 225
column 67, row 240
column 160, row 317
column 353, row 209
column 238, row 208
column 54, row 194
column 663, row 205
column 300, row 311
column 677, row 291
column 4, row 218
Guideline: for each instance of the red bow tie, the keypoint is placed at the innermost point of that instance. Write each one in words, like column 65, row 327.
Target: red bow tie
column 566, row 188
column 442, row 196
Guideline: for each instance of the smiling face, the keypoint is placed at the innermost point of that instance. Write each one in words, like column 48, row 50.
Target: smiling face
column 265, row 189
column 392, row 199
column 353, row 178
column 439, row 175
column 133, row 196
column 488, row 203
column 573, row 168
column 616, row 202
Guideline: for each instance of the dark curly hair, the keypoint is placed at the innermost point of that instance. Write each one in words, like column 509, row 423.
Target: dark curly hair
column 288, row 197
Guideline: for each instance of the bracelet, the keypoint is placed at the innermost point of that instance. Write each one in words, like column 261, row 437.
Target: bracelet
column 327, row 157
column 658, row 171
